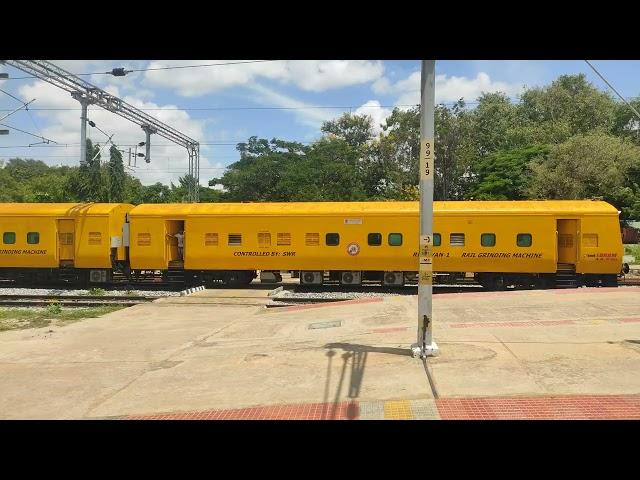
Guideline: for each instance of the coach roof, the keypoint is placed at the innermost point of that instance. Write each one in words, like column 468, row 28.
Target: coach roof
column 528, row 207
column 56, row 209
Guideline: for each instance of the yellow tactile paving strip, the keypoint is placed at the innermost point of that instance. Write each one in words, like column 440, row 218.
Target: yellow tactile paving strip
column 397, row 410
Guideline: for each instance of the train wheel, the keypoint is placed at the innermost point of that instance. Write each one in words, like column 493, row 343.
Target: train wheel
column 233, row 279
column 237, row 278
column 494, row 283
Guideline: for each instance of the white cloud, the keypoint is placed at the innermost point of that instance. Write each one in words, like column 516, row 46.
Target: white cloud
column 312, row 117
column 309, row 75
column 377, row 113
column 448, row 88
column 381, row 86
column 168, row 161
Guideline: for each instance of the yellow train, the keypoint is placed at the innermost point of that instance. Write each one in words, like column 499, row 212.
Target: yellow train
column 542, row 243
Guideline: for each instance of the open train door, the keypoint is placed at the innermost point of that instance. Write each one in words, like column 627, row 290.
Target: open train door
column 567, row 241
column 173, row 256
column 66, row 243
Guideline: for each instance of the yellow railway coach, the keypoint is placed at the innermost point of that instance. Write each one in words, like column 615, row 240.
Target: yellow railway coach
column 62, row 241
column 543, row 243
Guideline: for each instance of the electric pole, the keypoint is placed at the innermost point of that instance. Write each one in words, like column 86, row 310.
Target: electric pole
column 425, row 346
column 88, row 94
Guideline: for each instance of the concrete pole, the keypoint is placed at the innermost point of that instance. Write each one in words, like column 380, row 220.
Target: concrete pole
column 83, row 131
column 426, row 346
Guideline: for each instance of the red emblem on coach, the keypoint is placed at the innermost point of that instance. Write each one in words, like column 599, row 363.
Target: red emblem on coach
column 353, row 249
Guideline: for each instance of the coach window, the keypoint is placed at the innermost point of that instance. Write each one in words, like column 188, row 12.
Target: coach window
column 264, row 239
column 524, row 240
column 590, row 240
column 9, row 238
column 374, row 239
column 33, row 238
column 210, row 239
column 333, row 239
column 456, row 239
column 312, row 239
column 284, row 239
column 437, row 240
column 234, row 239
column 488, row 239
column 395, row 239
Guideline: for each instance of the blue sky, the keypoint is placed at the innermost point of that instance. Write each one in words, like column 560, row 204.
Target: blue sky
column 222, row 105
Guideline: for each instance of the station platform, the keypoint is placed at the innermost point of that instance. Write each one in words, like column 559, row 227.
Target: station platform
column 571, row 353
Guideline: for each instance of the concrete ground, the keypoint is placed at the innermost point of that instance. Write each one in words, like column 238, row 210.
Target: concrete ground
column 222, row 354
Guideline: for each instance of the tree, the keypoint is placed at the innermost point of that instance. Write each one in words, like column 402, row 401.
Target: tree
column 90, row 182
column 492, row 119
column 503, row 175
column 264, row 170
column 456, row 149
column 355, row 130
column 570, row 104
column 589, row 166
column 156, row 193
column 627, row 123
column 392, row 168
column 116, row 177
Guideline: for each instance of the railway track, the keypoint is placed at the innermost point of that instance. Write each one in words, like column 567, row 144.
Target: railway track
column 74, row 301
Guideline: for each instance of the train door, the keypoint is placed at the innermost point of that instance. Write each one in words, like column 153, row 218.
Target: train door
column 174, row 252
column 66, row 243
column 567, row 241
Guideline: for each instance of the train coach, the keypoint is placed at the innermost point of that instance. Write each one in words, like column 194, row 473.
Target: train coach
column 71, row 242
column 533, row 243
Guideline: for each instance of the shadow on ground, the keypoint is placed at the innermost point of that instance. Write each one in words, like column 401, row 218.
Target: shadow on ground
column 354, row 359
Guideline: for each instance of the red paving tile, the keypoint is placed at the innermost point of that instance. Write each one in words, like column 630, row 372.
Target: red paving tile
column 591, row 407
column 565, row 291
column 455, row 296
column 561, row 407
column 389, row 330
column 536, row 323
column 332, row 304
column 313, row 411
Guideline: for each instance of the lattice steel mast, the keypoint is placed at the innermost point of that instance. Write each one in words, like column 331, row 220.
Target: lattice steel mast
column 88, row 94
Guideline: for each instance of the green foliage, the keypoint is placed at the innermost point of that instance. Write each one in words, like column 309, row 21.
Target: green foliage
column 502, row 175
column 567, row 139
column 54, row 309
column 355, row 130
column 22, row 318
column 590, row 166
column 632, row 250
column 572, row 102
column 96, row 292
column 89, row 182
column 116, row 176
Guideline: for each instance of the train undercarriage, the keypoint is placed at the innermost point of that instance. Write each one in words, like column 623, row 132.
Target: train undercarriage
column 179, row 278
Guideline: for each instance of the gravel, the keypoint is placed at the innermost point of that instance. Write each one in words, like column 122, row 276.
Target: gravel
column 117, row 293
column 345, row 295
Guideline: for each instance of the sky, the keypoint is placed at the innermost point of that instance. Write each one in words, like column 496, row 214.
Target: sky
column 222, row 105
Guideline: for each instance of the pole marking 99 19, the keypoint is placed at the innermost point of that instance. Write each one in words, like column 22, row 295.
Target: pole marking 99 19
column 426, row 158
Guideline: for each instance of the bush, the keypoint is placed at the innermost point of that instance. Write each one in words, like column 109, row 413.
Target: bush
column 54, row 309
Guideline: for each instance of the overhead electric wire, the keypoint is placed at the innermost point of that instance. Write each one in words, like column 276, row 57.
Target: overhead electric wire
column 28, row 133
column 208, row 144
column 611, row 87
column 157, row 68
column 7, row 93
column 204, row 109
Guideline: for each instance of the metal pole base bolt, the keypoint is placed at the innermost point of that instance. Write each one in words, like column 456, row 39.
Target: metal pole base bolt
column 424, row 351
